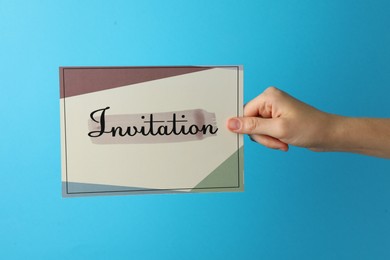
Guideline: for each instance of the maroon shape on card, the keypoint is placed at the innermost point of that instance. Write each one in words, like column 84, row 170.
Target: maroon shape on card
column 82, row 80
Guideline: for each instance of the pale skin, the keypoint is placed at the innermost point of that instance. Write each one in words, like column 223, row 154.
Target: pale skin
column 277, row 120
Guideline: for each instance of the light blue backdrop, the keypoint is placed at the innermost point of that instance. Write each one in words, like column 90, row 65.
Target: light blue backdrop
column 332, row 54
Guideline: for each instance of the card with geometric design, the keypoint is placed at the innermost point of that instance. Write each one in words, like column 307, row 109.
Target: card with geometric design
column 142, row 130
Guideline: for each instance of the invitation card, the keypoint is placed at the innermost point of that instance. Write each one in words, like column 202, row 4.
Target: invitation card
column 140, row 130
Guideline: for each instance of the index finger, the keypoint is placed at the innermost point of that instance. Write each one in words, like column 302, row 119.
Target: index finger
column 258, row 107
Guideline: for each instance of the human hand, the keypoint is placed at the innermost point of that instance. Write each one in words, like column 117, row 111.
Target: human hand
column 276, row 119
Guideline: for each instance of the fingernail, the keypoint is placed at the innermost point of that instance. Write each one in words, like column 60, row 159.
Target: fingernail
column 234, row 124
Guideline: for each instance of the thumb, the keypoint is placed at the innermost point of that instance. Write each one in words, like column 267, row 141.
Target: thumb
column 251, row 125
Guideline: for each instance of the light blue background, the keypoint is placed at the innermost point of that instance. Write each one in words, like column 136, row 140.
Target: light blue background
column 332, row 54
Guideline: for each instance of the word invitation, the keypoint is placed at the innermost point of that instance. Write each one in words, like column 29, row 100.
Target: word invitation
column 140, row 130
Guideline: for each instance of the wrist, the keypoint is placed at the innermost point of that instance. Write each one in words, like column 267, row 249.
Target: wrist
column 337, row 133
column 370, row 136
column 332, row 133
column 345, row 135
